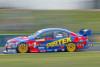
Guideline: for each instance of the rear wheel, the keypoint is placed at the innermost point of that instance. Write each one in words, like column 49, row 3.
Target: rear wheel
column 23, row 48
column 71, row 47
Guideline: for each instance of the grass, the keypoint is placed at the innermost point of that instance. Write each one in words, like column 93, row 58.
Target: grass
column 57, row 59
column 39, row 19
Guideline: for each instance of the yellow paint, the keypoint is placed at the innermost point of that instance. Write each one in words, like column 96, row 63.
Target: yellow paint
column 40, row 39
column 55, row 42
column 65, row 40
column 69, row 39
column 52, row 44
column 48, row 45
column 59, row 42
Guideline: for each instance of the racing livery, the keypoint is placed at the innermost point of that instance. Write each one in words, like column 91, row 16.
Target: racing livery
column 49, row 40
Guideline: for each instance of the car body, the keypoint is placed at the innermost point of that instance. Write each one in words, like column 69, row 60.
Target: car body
column 49, row 40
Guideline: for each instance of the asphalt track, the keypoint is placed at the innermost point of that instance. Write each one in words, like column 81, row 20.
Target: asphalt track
column 94, row 48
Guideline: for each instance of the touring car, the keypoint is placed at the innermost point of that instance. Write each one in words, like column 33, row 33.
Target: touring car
column 49, row 40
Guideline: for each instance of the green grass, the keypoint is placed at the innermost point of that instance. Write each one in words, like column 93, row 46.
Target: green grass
column 57, row 59
column 39, row 19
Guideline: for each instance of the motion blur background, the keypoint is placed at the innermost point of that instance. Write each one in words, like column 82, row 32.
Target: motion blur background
column 28, row 16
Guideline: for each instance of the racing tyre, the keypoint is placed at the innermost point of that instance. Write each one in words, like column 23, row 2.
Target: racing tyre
column 23, row 48
column 71, row 47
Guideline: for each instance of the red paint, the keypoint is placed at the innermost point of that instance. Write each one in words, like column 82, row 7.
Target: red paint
column 50, row 38
column 34, row 50
column 31, row 44
column 76, row 40
column 79, row 46
column 84, row 40
column 41, row 41
column 7, row 46
column 61, row 47
column 46, row 39
column 14, row 41
column 72, row 34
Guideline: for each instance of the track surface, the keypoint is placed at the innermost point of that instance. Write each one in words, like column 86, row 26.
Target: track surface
column 94, row 48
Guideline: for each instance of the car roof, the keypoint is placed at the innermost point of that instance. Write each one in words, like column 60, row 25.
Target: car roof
column 52, row 29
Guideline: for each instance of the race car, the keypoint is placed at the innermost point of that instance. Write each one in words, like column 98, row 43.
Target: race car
column 49, row 40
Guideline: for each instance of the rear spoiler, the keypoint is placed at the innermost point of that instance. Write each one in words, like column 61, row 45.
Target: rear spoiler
column 84, row 32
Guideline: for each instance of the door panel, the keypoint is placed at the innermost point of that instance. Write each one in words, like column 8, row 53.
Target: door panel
column 43, row 39
column 61, row 38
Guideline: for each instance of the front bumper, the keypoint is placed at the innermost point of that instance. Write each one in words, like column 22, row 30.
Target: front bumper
column 10, row 50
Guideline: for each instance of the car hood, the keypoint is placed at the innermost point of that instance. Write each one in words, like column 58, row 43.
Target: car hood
column 14, row 40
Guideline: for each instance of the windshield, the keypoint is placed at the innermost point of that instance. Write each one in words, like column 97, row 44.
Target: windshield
column 34, row 35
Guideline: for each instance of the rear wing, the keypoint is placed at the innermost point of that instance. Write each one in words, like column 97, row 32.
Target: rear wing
column 84, row 32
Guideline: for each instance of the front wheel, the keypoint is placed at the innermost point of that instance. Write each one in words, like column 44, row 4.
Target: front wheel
column 71, row 47
column 23, row 48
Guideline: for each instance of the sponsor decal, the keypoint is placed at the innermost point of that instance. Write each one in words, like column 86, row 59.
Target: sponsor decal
column 59, row 42
column 11, row 50
column 42, row 51
column 34, row 44
column 41, row 47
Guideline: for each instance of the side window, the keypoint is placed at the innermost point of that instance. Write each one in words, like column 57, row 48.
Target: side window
column 59, row 34
column 48, row 34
